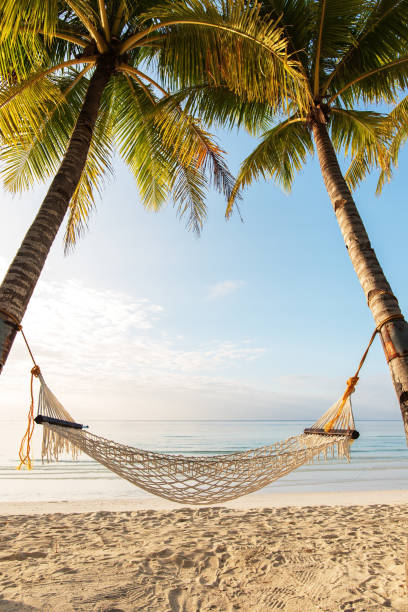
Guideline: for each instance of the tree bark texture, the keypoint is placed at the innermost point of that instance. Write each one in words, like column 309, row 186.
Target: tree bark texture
column 24, row 271
column 380, row 298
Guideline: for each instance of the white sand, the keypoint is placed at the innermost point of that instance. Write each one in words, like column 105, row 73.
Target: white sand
column 306, row 557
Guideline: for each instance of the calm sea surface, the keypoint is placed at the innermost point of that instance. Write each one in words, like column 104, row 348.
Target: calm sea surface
column 379, row 458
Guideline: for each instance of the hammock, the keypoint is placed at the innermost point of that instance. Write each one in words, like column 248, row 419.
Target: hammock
column 193, row 480
column 198, row 480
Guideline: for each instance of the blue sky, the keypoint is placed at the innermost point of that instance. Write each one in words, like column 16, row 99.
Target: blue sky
column 261, row 319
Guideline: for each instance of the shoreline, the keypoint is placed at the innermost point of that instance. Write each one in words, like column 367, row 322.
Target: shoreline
column 254, row 500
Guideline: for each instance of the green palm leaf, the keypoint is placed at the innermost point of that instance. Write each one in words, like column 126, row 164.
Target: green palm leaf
column 139, row 142
column 334, row 26
column 36, row 156
column 218, row 106
column 193, row 146
column 280, row 154
column 398, row 125
column 38, row 14
column 394, row 135
column 364, row 135
column 97, row 168
column 353, row 130
column 189, row 187
column 379, row 37
column 168, row 151
column 232, row 45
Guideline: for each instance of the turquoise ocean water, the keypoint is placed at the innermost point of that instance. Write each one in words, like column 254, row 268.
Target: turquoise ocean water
column 379, row 458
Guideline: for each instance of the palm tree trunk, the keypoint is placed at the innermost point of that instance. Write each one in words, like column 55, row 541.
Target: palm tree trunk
column 380, row 298
column 23, row 273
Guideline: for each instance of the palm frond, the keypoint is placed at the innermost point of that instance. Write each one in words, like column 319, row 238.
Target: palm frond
column 398, row 125
column 103, row 16
column 15, row 16
column 230, row 44
column 353, row 131
column 218, row 106
column 188, row 190
column 396, row 133
column 366, row 137
column 333, row 30
column 139, row 142
column 90, row 18
column 192, row 145
column 380, row 35
column 19, row 55
column 383, row 83
column 9, row 93
column 294, row 18
column 281, row 153
column 178, row 141
column 363, row 164
column 97, row 168
column 23, row 114
column 119, row 14
column 36, row 154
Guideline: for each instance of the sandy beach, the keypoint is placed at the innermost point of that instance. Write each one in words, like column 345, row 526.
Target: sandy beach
column 114, row 556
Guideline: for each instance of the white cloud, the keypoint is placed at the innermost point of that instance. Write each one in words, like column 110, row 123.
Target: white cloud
column 223, row 288
column 100, row 348
column 107, row 332
column 107, row 354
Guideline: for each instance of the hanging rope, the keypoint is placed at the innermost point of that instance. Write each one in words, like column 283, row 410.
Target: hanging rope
column 20, row 329
column 351, row 383
column 25, row 446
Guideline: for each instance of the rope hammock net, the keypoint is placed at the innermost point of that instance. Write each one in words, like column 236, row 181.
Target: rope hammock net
column 198, row 480
column 193, row 479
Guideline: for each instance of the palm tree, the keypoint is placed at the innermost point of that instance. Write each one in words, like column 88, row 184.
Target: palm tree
column 77, row 79
column 352, row 53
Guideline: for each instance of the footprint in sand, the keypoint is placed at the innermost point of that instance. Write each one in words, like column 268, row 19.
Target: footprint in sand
column 65, row 570
column 278, row 598
column 21, row 556
column 165, row 552
column 183, row 562
column 179, row 602
column 208, row 575
column 8, row 584
column 174, row 600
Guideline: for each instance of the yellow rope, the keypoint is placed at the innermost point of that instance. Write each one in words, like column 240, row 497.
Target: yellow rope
column 25, row 446
column 351, row 383
column 20, row 329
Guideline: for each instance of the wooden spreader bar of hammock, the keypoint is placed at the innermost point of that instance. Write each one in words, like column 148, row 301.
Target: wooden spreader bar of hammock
column 41, row 418
column 351, row 433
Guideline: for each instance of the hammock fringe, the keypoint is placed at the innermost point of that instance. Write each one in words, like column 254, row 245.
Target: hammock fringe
column 53, row 444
